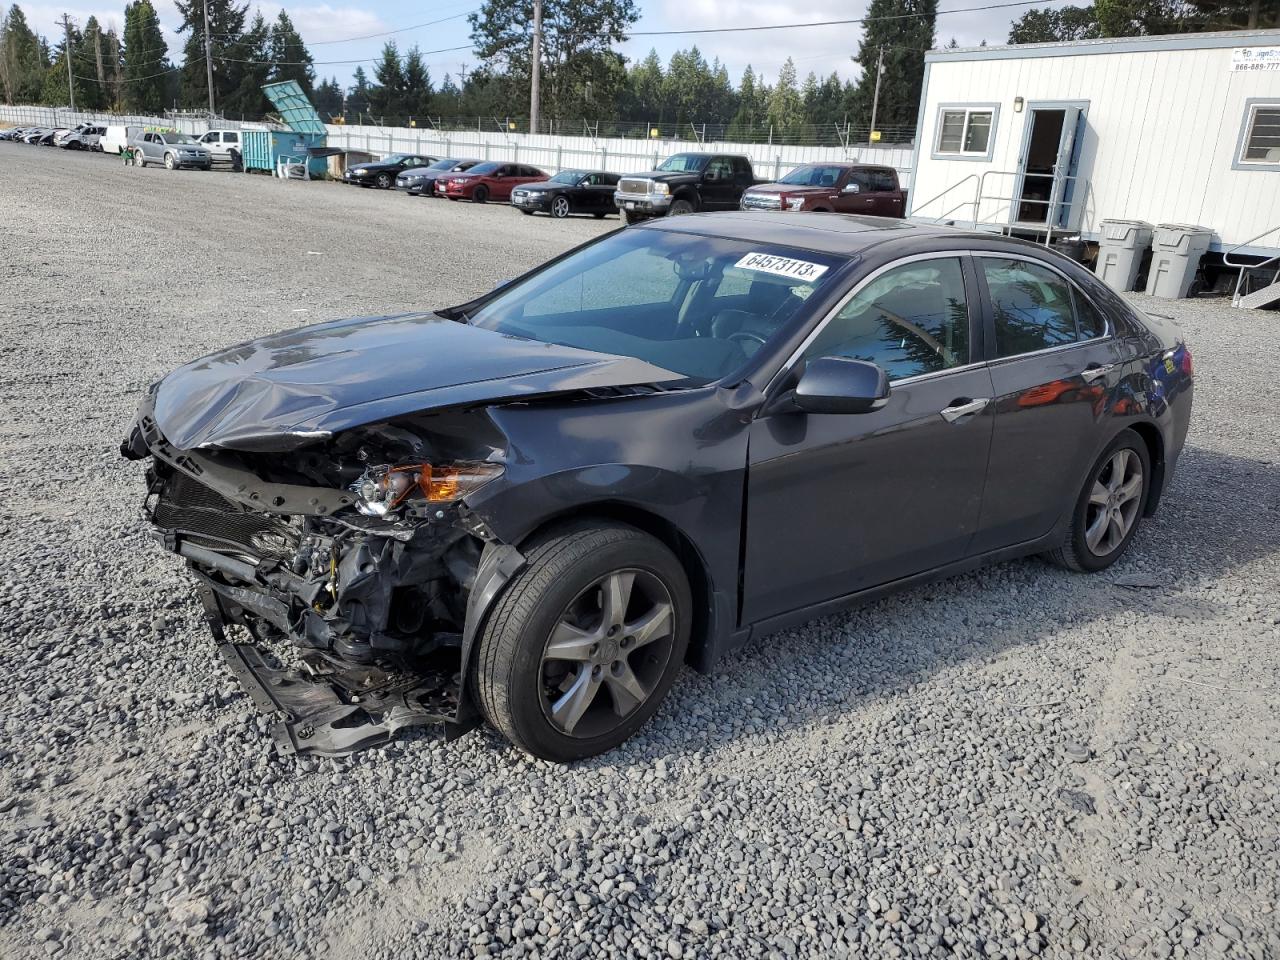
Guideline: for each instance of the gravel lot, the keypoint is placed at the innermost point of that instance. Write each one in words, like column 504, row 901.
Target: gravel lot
column 1016, row 762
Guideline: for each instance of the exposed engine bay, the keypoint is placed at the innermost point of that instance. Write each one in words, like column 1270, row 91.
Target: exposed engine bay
column 354, row 556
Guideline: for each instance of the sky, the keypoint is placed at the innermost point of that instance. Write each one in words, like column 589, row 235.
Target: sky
column 328, row 30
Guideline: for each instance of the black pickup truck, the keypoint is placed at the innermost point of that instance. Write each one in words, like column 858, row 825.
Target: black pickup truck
column 685, row 183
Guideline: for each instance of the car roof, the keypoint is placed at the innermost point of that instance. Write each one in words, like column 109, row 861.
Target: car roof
column 844, row 234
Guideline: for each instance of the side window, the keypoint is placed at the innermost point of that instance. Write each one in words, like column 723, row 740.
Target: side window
column 719, row 169
column 591, row 180
column 911, row 320
column 231, row 138
column 861, row 179
column 741, row 167
column 882, row 181
column 1032, row 306
column 1091, row 321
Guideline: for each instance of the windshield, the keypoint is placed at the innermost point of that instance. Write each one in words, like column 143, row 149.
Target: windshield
column 698, row 306
column 813, row 176
column 177, row 138
column 684, row 163
column 567, row 176
column 393, row 158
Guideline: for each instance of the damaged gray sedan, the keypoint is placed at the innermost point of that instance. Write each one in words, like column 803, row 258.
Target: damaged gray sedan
column 534, row 508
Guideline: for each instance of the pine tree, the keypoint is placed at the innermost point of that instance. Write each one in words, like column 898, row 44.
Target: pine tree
column 291, row 60
column 904, row 29
column 786, row 109
column 146, row 56
column 328, row 98
column 359, row 94
column 23, row 59
column 385, row 96
column 644, row 101
column 750, row 112
column 89, row 60
column 249, row 62
column 415, row 98
column 226, row 32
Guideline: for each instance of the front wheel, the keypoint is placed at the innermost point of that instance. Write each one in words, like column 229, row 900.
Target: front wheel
column 631, row 217
column 169, row 162
column 384, row 181
column 585, row 642
column 139, row 159
column 481, row 194
column 1108, row 510
column 679, row 208
column 527, row 213
column 560, row 207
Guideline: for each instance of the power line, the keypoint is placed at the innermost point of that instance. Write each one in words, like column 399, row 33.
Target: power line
column 322, row 63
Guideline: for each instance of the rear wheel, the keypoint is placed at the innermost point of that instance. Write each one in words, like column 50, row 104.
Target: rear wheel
column 560, row 207
column 585, row 642
column 1109, row 509
column 480, row 194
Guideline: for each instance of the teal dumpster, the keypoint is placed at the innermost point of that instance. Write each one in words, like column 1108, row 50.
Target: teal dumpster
column 264, row 148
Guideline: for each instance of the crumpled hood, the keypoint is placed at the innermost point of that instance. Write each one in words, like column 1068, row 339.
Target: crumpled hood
column 289, row 388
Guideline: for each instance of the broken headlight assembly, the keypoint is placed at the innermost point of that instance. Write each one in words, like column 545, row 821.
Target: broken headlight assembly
column 387, row 490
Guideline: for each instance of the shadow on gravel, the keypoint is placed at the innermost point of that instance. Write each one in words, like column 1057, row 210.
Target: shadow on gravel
column 1221, row 513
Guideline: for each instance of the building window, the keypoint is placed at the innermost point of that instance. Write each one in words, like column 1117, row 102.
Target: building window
column 1261, row 140
column 965, row 131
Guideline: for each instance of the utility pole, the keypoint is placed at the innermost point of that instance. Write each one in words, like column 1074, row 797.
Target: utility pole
column 875, row 99
column 71, row 86
column 535, row 79
column 97, row 52
column 208, row 57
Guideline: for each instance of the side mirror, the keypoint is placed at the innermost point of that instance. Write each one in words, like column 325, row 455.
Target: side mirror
column 851, row 188
column 841, row 385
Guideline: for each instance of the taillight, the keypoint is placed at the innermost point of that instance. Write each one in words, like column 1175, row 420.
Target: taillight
column 1188, row 367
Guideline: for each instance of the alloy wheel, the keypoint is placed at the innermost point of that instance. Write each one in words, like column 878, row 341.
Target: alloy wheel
column 607, row 653
column 1113, row 502
column 560, row 207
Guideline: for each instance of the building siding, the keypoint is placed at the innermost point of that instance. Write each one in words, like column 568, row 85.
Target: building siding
column 1158, row 143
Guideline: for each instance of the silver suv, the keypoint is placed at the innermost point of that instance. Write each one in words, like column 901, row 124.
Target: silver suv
column 174, row 150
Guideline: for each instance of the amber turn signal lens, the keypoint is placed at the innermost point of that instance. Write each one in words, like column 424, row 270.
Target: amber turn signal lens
column 449, row 482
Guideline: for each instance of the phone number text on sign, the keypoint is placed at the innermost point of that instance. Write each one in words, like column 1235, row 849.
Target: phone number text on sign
column 1251, row 59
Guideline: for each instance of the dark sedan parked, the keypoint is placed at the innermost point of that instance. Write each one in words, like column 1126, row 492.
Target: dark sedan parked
column 534, row 507
column 382, row 173
column 421, row 181
column 569, row 191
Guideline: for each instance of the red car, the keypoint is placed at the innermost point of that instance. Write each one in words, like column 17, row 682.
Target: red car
column 491, row 180
column 832, row 187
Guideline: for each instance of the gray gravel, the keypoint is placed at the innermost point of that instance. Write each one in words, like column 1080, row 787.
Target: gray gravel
column 1013, row 763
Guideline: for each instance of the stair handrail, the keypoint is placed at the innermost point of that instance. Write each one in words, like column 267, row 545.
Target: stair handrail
column 974, row 201
column 1226, row 257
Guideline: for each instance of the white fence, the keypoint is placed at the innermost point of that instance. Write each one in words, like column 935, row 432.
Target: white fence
column 551, row 152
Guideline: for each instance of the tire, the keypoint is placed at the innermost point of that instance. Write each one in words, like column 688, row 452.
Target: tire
column 599, row 216
column 560, row 207
column 631, row 217
column 527, row 213
column 521, row 690
column 480, row 194
column 139, row 159
column 679, row 207
column 169, row 162
column 1084, row 550
column 384, row 181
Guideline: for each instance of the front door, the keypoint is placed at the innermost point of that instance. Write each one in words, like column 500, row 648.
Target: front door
column 718, row 185
column 1050, row 157
column 838, row 503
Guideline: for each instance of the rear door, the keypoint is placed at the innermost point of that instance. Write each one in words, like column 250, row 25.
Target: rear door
column 598, row 192
column 885, row 193
column 1055, row 368
column 718, row 185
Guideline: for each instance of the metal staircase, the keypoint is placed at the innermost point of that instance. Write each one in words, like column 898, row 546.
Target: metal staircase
column 1250, row 273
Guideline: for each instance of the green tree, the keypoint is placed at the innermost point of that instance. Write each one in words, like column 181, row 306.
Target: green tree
column 385, row 96
column 328, row 98
column 415, row 96
column 643, row 100
column 1062, row 24
column 905, row 30
column 290, row 58
column 688, row 88
column 752, row 106
column 579, row 64
column 23, row 59
column 55, row 89
column 90, row 60
column 229, row 45
column 146, row 57
column 786, row 108
column 249, row 67
column 359, row 93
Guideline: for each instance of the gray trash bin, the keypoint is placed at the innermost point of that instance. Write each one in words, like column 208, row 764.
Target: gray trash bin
column 1120, row 252
column 1175, row 258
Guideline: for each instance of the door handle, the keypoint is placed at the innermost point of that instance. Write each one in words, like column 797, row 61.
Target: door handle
column 1096, row 371
column 962, row 408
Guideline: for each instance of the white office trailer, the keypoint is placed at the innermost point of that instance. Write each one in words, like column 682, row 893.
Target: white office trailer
column 1049, row 140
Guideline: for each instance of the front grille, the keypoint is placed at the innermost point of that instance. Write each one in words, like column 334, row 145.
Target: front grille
column 633, row 186
column 761, row 201
column 188, row 506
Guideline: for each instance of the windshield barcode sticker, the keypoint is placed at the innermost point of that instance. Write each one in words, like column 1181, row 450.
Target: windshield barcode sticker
column 782, row 266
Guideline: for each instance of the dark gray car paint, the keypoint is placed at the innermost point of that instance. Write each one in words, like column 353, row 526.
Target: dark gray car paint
column 776, row 514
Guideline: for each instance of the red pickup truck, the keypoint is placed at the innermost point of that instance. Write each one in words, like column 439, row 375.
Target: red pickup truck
column 832, row 187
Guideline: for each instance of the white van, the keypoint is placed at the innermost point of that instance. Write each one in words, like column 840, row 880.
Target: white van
column 117, row 138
